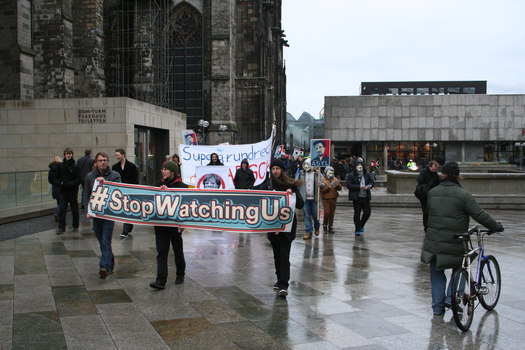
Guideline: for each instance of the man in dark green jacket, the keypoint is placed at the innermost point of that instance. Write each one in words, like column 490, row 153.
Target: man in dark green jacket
column 449, row 208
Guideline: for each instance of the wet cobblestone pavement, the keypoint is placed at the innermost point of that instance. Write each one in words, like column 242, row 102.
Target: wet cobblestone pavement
column 345, row 293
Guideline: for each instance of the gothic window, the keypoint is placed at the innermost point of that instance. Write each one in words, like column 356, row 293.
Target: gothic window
column 185, row 71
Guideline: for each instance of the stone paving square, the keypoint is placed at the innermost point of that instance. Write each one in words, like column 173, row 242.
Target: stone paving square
column 368, row 293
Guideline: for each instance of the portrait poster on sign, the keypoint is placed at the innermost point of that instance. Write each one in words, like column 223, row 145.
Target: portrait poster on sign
column 190, row 138
column 213, row 177
column 279, row 151
column 320, row 152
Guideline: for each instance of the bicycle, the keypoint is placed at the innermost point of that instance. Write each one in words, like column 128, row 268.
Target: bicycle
column 485, row 286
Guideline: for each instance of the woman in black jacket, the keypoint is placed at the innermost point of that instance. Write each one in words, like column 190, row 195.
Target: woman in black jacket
column 165, row 235
column 214, row 159
column 359, row 183
column 282, row 241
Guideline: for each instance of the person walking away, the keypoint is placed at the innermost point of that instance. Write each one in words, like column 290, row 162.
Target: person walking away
column 129, row 174
column 449, row 208
column 55, row 191
column 244, row 177
column 85, row 164
column 427, row 179
column 309, row 189
column 164, row 235
column 359, row 182
column 282, row 241
column 67, row 179
column 103, row 228
column 330, row 187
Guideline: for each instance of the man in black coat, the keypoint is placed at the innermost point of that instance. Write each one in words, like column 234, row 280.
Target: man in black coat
column 129, row 174
column 244, row 178
column 428, row 179
column 359, row 183
column 67, row 179
column 85, row 164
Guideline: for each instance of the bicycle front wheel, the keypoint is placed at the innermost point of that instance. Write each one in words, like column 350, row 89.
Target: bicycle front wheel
column 462, row 300
column 490, row 283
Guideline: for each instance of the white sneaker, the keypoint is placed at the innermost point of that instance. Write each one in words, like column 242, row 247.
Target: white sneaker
column 283, row 293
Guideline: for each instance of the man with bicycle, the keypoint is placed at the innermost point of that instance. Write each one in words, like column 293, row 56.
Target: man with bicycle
column 449, row 206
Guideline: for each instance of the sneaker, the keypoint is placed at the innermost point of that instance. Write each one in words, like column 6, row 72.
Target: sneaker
column 448, row 305
column 307, row 236
column 124, row 235
column 283, row 293
column 362, row 230
column 157, row 285
column 357, row 233
column 60, row 231
column 179, row 280
column 325, row 228
column 103, row 273
column 276, row 286
column 331, row 230
column 316, row 232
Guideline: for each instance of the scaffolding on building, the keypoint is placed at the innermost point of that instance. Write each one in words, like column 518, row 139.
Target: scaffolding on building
column 138, row 59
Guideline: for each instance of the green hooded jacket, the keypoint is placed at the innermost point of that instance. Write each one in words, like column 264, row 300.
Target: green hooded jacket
column 449, row 208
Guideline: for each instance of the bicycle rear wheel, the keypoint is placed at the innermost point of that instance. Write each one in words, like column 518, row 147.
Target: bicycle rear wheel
column 490, row 280
column 462, row 300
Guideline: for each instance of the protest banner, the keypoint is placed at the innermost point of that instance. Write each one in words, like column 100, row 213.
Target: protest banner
column 258, row 155
column 230, row 210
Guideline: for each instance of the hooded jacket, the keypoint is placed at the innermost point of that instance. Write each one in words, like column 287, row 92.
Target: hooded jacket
column 450, row 206
column 244, row 178
column 67, row 178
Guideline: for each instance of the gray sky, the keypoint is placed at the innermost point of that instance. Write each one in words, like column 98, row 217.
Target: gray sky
column 337, row 44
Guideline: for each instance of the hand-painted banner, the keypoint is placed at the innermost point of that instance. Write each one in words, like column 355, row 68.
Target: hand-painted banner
column 258, row 155
column 229, row 210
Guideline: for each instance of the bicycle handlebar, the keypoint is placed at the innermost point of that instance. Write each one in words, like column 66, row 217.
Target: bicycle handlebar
column 473, row 230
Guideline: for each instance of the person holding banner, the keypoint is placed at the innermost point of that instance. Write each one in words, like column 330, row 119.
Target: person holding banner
column 164, row 235
column 244, row 178
column 103, row 228
column 282, row 241
column 214, row 159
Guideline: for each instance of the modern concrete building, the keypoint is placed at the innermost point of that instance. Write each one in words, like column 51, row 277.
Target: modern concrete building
column 459, row 127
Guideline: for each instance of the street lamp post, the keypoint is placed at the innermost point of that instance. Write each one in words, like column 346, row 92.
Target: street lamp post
column 203, row 124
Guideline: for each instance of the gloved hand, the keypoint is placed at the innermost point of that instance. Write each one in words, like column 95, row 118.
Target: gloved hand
column 500, row 227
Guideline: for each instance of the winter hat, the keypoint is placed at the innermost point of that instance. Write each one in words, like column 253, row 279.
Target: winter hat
column 277, row 162
column 245, row 161
column 450, row 169
column 171, row 166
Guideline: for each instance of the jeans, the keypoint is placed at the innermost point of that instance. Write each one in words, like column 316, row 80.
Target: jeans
column 362, row 204
column 163, row 237
column 310, row 213
column 104, row 232
column 64, row 200
column 438, row 282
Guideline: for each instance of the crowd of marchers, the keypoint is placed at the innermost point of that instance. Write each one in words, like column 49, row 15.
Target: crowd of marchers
column 446, row 208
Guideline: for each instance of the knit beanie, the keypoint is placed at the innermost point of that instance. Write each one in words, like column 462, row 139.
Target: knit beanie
column 277, row 162
column 172, row 166
column 450, row 169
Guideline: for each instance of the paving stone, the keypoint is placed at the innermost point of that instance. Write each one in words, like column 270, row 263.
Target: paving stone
column 369, row 293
